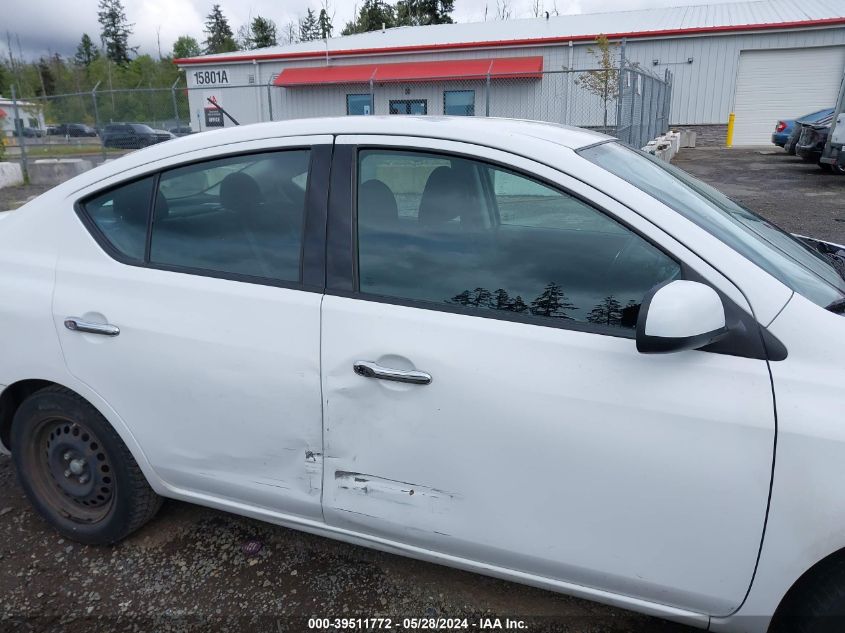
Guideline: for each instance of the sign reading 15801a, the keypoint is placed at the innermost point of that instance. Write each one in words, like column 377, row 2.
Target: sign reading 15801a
column 202, row 77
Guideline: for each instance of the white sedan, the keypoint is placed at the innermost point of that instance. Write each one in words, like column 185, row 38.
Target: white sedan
column 515, row 348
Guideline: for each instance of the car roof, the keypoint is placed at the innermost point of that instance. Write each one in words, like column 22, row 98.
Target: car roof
column 504, row 134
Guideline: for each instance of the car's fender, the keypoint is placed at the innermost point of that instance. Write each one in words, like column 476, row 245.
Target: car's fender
column 806, row 521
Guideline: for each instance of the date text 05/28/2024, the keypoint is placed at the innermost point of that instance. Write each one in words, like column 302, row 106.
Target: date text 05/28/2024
column 416, row 624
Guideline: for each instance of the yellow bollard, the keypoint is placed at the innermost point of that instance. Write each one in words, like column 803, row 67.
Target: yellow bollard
column 730, row 140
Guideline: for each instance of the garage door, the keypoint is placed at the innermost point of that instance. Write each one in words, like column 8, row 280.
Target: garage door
column 783, row 83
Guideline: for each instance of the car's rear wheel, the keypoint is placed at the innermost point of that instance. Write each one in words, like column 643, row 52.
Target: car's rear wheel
column 76, row 471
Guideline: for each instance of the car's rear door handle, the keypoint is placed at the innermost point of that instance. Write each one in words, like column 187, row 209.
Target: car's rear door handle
column 78, row 325
column 374, row 370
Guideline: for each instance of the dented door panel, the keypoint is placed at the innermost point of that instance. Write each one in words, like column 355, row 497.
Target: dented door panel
column 558, row 453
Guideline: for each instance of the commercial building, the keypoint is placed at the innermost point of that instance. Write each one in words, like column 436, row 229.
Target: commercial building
column 762, row 60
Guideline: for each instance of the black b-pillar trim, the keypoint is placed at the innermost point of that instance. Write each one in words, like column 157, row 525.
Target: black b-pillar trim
column 314, row 233
column 339, row 235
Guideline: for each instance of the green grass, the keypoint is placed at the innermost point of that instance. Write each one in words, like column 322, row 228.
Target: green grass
column 40, row 151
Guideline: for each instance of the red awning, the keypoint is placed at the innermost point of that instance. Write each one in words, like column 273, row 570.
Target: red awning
column 495, row 68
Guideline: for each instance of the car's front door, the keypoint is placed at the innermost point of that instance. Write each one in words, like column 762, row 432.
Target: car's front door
column 484, row 398
column 215, row 369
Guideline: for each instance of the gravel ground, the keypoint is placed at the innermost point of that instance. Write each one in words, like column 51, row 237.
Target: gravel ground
column 187, row 571
column 796, row 195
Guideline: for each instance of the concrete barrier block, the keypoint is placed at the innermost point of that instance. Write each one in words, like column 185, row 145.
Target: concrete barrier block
column 675, row 139
column 688, row 138
column 54, row 171
column 10, row 175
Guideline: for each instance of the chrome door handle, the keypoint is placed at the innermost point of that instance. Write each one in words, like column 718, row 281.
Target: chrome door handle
column 76, row 324
column 372, row 370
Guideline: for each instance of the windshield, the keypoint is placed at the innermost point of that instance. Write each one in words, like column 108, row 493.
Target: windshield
column 777, row 252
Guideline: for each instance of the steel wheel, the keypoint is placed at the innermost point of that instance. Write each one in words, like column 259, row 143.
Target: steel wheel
column 76, row 470
column 72, row 470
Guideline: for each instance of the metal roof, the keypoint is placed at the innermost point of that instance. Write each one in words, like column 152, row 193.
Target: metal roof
column 672, row 21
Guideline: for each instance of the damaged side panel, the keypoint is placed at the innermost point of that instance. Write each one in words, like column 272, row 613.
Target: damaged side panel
column 377, row 500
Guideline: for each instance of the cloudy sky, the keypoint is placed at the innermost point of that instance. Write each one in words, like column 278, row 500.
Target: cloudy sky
column 45, row 26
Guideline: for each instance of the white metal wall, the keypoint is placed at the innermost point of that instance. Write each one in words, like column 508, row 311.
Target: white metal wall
column 703, row 90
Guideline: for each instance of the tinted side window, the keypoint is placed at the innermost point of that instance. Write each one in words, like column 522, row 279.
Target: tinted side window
column 121, row 214
column 458, row 232
column 240, row 215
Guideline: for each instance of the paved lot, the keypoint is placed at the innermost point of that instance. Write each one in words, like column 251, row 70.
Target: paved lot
column 186, row 570
column 796, row 195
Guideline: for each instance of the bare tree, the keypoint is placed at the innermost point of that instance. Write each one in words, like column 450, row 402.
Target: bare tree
column 503, row 10
column 537, row 8
column 289, row 33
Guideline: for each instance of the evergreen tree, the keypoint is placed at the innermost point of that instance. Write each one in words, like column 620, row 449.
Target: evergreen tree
column 478, row 298
column 501, row 300
column 261, row 33
column 423, row 12
column 324, row 23
column 518, row 305
column 115, row 31
column 47, row 78
column 606, row 312
column 186, row 46
column 309, row 27
column 220, row 37
column 86, row 52
column 371, row 16
column 552, row 303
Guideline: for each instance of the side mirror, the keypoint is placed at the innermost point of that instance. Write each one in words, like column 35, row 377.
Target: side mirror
column 679, row 315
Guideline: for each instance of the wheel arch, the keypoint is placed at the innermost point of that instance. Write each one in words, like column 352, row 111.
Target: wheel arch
column 797, row 592
column 10, row 399
column 15, row 393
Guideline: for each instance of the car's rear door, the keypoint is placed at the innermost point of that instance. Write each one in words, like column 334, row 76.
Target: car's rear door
column 483, row 395
column 215, row 369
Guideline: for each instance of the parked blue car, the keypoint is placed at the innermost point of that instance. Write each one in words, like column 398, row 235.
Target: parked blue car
column 784, row 127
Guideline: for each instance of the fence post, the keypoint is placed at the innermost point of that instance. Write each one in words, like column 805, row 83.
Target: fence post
column 97, row 115
column 373, row 96
column 620, row 88
column 18, row 127
column 487, row 94
column 175, row 104
column 667, row 105
column 270, row 97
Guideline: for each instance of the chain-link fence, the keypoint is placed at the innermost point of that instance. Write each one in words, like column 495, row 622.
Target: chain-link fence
column 625, row 101
column 98, row 124
column 587, row 98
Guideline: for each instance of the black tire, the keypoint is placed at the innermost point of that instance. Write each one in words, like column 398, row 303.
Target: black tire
column 76, row 471
column 815, row 605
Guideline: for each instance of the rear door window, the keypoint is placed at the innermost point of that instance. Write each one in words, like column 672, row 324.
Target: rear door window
column 121, row 216
column 241, row 215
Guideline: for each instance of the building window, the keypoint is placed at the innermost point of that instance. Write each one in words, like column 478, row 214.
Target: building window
column 408, row 106
column 359, row 104
column 459, row 102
